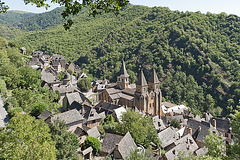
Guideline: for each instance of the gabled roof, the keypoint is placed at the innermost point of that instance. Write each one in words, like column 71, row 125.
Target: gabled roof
column 45, row 114
column 119, row 112
column 48, row 77
column 141, row 81
column 123, row 70
column 71, row 97
column 126, row 145
column 69, row 116
column 23, row 48
column 222, row 124
column 92, row 115
column 153, row 78
column 56, row 57
column 207, row 117
column 65, row 88
column 168, row 136
column 113, row 91
column 167, row 119
column 93, row 132
column 184, row 145
column 86, row 151
column 106, row 107
column 199, row 129
column 158, row 123
column 109, row 142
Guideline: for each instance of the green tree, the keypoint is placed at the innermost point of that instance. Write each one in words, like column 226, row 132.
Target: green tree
column 38, row 108
column 26, row 138
column 109, row 119
column 92, row 142
column 84, row 84
column 141, row 128
column 236, row 130
column 70, row 71
column 175, row 123
column 14, row 111
column 144, row 155
column 66, row 143
column 215, row 145
column 73, row 7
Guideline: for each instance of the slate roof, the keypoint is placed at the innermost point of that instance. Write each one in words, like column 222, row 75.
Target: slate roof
column 4, row 117
column 86, row 151
column 45, row 114
column 48, row 77
column 199, row 129
column 64, row 88
column 126, row 96
column 184, row 145
column 69, row 116
column 153, row 77
column 93, row 132
column 92, row 115
column 79, row 131
column 201, row 151
column 158, row 123
column 129, row 91
column 55, row 64
column 222, row 125
column 207, row 117
column 106, row 107
column 141, row 81
column 114, row 96
column 119, row 112
column 168, row 136
column 113, row 91
column 23, row 48
column 123, row 70
column 57, row 57
column 167, row 119
column 71, row 97
column 109, row 142
column 168, row 104
column 126, row 145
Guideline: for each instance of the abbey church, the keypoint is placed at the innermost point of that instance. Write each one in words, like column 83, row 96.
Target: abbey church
column 145, row 95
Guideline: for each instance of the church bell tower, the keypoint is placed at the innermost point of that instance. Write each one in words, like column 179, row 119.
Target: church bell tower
column 123, row 78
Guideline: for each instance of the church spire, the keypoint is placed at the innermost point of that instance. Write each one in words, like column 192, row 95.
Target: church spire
column 141, row 81
column 123, row 70
column 153, row 78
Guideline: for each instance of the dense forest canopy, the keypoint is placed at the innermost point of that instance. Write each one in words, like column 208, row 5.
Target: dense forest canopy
column 196, row 55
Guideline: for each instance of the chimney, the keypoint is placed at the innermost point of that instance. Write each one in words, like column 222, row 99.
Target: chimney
column 214, row 123
column 181, row 126
column 116, row 147
column 189, row 130
column 199, row 128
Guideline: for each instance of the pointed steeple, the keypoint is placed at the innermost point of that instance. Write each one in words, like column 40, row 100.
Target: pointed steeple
column 123, row 70
column 141, row 81
column 153, row 78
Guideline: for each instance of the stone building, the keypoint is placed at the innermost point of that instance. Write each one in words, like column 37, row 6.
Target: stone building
column 145, row 96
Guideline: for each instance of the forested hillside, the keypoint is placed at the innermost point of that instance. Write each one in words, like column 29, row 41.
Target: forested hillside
column 41, row 21
column 12, row 17
column 195, row 55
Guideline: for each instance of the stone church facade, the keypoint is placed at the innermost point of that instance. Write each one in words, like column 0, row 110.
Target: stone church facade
column 146, row 96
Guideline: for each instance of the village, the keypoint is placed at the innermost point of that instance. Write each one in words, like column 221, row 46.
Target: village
column 83, row 112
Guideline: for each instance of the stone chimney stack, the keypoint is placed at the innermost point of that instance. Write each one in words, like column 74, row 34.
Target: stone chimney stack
column 214, row 123
column 189, row 130
column 199, row 128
